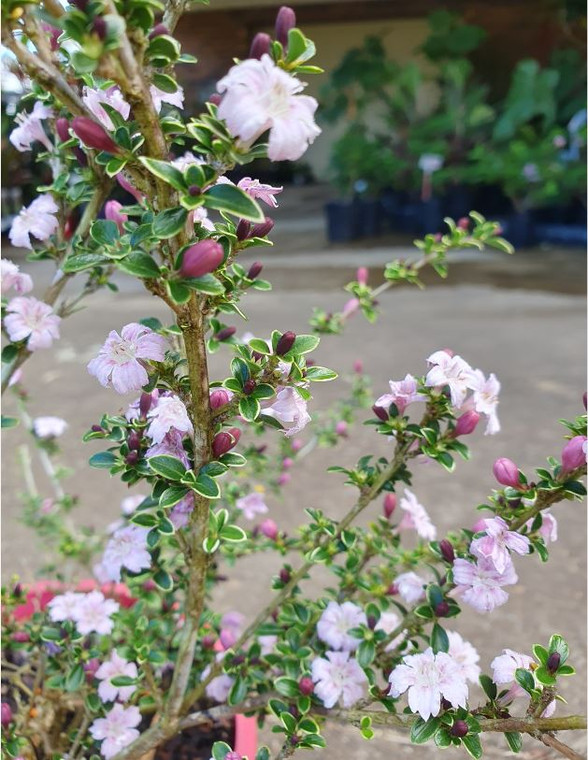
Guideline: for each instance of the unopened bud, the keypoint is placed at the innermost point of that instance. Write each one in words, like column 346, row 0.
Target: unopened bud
column 262, row 229
column 285, row 575
column 506, row 472
column 145, row 403
column 208, row 641
column 97, row 429
column 232, row 755
column 20, row 637
column 284, row 479
column 260, row 45
column 269, row 529
column 215, row 99
column 285, row 343
column 227, row 638
column 362, row 275
column 202, row 258
column 389, row 505
column 306, row 686
column 459, row 729
column 255, row 270
column 585, row 400
column 442, row 609
column 285, row 20
column 297, row 444
column 463, row 223
column 219, row 398
column 351, row 307
column 6, row 714
column 149, row 585
column 553, row 662
column 17, row 590
column 132, row 458
column 90, row 668
column 158, row 30
column 62, row 128
column 249, row 386
column 447, row 552
column 126, row 185
column 222, row 442
column 243, row 230
column 112, row 212
column 380, row 413
column 194, row 191
column 224, row 333
column 573, row 454
column 99, row 28
column 466, row 423
column 358, row 366
column 93, row 135
column 341, row 428
column 392, row 590
column 372, row 622
column 134, row 440
column 236, row 433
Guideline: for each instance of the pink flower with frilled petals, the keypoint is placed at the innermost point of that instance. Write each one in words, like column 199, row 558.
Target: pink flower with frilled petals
column 504, row 668
column 113, row 97
column 159, row 97
column 485, row 398
column 38, row 220
column 251, row 505
column 115, row 666
column 93, row 613
column 480, row 584
column 169, row 414
column 256, row 189
column 410, row 587
column 257, row 96
column 416, row 516
column 171, row 445
column 11, row 277
column 465, row 655
column 121, row 359
column 63, row 606
column 127, row 548
column 31, row 319
column 117, row 730
column 335, row 622
column 338, row 677
column 402, row 393
column 30, row 128
column 452, row 371
column 497, row 542
column 290, row 409
column 427, row 678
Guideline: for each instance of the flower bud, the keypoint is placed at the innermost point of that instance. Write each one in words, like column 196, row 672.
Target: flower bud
column 285, row 20
column 221, row 443
column 463, row 223
column 149, row 585
column 93, row 135
column 70, row 225
column 145, row 403
column 17, row 590
column 447, row 551
column 232, row 755
column 255, row 270
column 249, row 386
column 285, row 575
column 262, row 229
column 389, row 505
column 219, row 398
column 62, row 129
column 202, row 258
column 243, row 230
column 112, row 212
column 506, row 472
column 97, row 429
column 380, row 413
column 287, row 462
column 134, row 440
column 126, row 185
column 227, row 638
column 459, row 729
column 285, row 343
column 573, row 454
column 99, row 28
column 466, row 423
column 224, row 333
column 215, row 99
column 284, row 479
column 158, row 30
column 132, row 458
column 260, row 45
column 296, row 444
column 20, row 637
column 442, row 609
column 358, row 366
column 351, row 307
column 208, row 641
column 81, row 5
column 306, row 686
column 341, row 428
column 236, row 433
column 269, row 529
column 553, row 662
column 90, row 668
column 6, row 714
column 392, row 590
column 362, row 275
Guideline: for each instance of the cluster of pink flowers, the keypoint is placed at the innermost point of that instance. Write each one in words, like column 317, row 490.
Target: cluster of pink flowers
column 92, row 612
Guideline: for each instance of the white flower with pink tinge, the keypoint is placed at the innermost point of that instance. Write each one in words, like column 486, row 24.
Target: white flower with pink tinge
column 64, row 606
column 112, row 668
column 416, row 517
column 251, row 505
column 335, row 622
column 465, row 655
column 171, row 445
column 93, row 613
column 219, row 687
column 258, row 96
column 49, row 427
column 113, row 97
column 452, row 371
column 159, row 97
column 130, row 503
column 389, row 622
column 548, row 529
column 338, row 677
column 120, row 362
column 504, row 668
column 427, row 678
column 38, row 219
column 127, row 548
column 169, row 414
column 410, row 587
column 117, row 730
column 480, row 584
column 256, row 189
column 188, row 159
column 485, row 398
column 12, row 277
column 289, row 408
column 29, row 128
column 32, row 319
column 402, row 393
column 497, row 542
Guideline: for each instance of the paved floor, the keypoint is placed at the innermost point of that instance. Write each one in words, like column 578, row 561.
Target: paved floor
column 531, row 338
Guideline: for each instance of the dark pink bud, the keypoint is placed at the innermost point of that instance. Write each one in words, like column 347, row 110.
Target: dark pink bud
column 90, row 668
column 573, row 454
column 112, row 212
column 255, row 270
column 341, row 428
column 285, row 20
column 248, row 387
column 225, row 333
column 392, row 589
column 297, row 444
column 99, row 28
column 81, row 157
column 306, row 686
column 389, row 505
column 263, row 229
column 145, row 403
column 284, row 479
column 553, row 662
column 260, row 45
column 447, row 550
column 132, row 458
column 221, row 443
column 442, row 609
column 506, row 472
column 219, row 398
column 17, row 590
column 20, row 637
column 437, row 237
column 351, row 307
column 93, row 135
column 463, row 223
column 285, row 343
column 227, row 637
column 362, row 275
column 70, row 226
column 380, row 413
column 232, row 755
column 134, row 440
column 467, row 423
column 459, row 729
column 208, row 641
column 243, row 230
column 287, row 462
column 358, row 366
column 285, row 575
column 62, row 128
column 81, row 4
column 126, row 185
column 202, row 258
column 194, row 191
column 215, row 99
column 269, row 529
column 480, row 525
column 53, row 35
column 158, row 30
column 236, row 433
column 149, row 585
column 97, row 429
column 5, row 714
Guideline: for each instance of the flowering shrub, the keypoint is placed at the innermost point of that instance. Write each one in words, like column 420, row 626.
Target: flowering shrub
column 117, row 667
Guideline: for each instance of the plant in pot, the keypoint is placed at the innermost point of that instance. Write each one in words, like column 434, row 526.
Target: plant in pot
column 121, row 673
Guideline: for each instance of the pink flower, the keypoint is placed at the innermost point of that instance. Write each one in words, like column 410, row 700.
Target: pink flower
column 11, row 277
column 37, row 220
column 93, row 612
column 117, row 730
column 350, row 308
column 267, row 643
column 121, row 359
column 169, row 414
column 170, row 445
column 112, row 96
column 504, row 666
column 573, row 454
column 389, row 622
column 548, row 529
column 30, row 128
column 402, row 393
column 480, row 584
column 112, row 212
column 256, row 189
column 115, row 666
column 485, row 398
column 452, row 371
column 130, row 503
column 259, row 96
column 180, row 514
column 188, row 159
column 64, row 606
column 219, row 688
column 335, row 622
column 465, row 655
column 427, row 678
column 251, row 505
column 32, row 319
column 269, row 528
column 127, row 548
column 410, row 587
column 159, row 97
column 416, row 517
column 497, row 542
column 338, row 677
column 49, row 427
column 289, row 408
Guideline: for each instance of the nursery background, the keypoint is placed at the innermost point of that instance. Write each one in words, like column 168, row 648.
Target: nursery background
column 427, row 110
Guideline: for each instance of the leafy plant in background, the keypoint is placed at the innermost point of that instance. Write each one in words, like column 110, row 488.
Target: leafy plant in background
column 118, row 667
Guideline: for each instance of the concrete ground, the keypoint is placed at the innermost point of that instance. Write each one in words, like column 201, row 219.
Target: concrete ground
column 522, row 318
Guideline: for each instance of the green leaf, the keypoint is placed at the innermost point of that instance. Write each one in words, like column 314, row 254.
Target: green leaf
column 83, row 261
column 233, row 460
column 300, row 48
column 168, row 223
column 104, row 232
column 76, row 678
column 287, row 686
column 9, row 353
column 514, row 740
column 541, row 654
column 289, row 722
column 304, row 344
column 558, row 644
column 168, row 467
column 473, row 746
column 249, row 408
column 177, row 291
column 172, row 496
column 220, row 750
column 207, row 487
column 233, row 200
column 525, row 679
column 574, row 487
column 320, row 374
column 421, row 730
column 103, row 459
column 164, row 171
column 232, row 533
column 165, row 83
column 439, row 639
column 544, row 676
column 366, row 653
column 255, row 344
column 9, row 422
column 51, row 634
column 163, row 50
column 263, row 390
column 164, row 580
column 238, row 691
column 139, row 265
column 488, row 686
column 144, row 519
column 208, row 284
column 123, row 681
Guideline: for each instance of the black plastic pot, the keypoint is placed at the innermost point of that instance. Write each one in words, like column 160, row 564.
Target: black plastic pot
column 341, row 225
column 458, row 201
column 367, row 217
column 519, row 229
column 430, row 216
column 563, row 234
